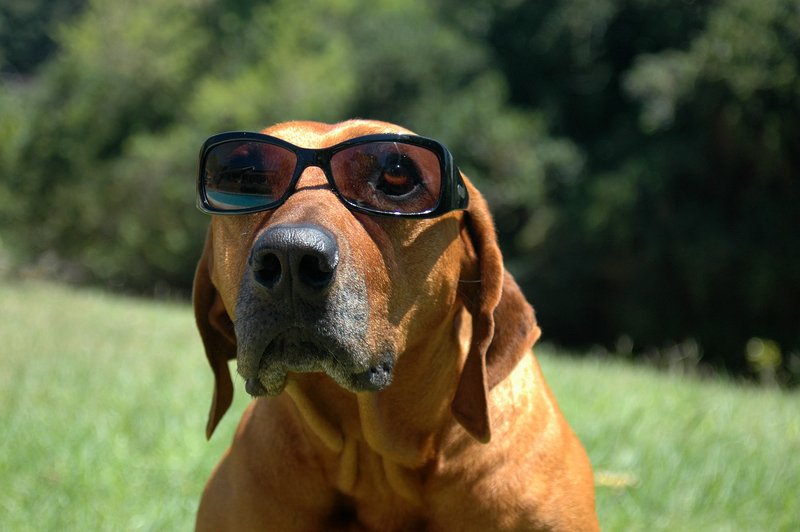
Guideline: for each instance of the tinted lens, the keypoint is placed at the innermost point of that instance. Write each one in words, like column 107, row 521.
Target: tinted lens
column 247, row 174
column 388, row 176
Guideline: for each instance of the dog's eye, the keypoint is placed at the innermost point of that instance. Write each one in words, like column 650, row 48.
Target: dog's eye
column 388, row 177
column 398, row 177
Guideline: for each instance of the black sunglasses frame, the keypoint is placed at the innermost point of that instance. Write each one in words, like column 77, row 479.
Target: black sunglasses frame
column 452, row 196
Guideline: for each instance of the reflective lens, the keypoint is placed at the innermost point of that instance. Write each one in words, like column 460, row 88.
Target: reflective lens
column 384, row 176
column 388, row 177
column 247, row 174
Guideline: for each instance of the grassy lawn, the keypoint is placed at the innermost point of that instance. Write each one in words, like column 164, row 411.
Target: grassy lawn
column 103, row 403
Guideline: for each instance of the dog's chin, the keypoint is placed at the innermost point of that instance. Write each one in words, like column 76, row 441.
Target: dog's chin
column 294, row 353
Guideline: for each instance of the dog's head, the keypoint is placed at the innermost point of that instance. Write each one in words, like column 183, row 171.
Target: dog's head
column 316, row 286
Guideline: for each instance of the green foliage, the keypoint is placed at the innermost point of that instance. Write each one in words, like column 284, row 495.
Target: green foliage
column 640, row 156
column 102, row 412
column 25, row 31
column 683, row 223
column 105, row 168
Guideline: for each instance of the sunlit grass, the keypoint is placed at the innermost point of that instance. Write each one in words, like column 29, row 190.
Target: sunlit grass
column 102, row 412
column 700, row 455
column 103, row 402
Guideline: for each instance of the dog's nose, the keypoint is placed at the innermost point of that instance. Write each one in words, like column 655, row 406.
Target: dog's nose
column 301, row 259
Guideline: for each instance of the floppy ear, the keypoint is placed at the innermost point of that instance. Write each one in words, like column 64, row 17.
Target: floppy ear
column 216, row 330
column 503, row 327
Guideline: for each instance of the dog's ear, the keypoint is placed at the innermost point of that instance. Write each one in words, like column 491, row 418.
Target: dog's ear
column 216, row 330
column 503, row 326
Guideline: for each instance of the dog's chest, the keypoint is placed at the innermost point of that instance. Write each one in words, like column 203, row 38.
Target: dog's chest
column 348, row 516
column 374, row 493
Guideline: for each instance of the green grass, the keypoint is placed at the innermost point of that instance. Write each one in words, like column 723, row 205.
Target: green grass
column 103, row 402
column 102, row 412
column 701, row 455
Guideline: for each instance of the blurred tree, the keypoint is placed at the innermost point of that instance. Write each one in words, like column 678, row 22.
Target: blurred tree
column 641, row 156
column 103, row 175
column 26, row 31
column 684, row 221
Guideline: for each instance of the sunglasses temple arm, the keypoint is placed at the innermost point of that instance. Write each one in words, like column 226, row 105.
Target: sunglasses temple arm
column 459, row 194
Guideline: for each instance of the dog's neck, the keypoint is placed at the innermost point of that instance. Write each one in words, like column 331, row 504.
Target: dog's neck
column 403, row 424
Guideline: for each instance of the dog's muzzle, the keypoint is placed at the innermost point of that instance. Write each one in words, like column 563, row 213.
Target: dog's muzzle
column 301, row 310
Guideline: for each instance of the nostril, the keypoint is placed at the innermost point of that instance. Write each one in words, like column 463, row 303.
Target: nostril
column 313, row 272
column 295, row 261
column 268, row 270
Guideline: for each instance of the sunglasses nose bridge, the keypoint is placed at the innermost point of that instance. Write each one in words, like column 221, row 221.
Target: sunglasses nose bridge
column 312, row 173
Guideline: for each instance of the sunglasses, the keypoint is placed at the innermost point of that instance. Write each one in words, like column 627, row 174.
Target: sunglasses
column 382, row 175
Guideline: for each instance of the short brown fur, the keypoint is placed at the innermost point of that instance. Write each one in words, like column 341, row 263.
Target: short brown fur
column 466, row 437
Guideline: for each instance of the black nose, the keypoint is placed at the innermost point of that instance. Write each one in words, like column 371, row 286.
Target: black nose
column 300, row 259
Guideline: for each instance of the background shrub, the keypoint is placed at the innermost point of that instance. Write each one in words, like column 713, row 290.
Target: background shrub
column 641, row 156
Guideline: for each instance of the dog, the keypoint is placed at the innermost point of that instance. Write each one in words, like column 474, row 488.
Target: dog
column 358, row 284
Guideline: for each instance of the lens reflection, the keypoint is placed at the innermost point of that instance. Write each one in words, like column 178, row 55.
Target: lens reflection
column 246, row 174
column 388, row 177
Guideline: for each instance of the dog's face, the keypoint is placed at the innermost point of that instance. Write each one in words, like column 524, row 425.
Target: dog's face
column 314, row 286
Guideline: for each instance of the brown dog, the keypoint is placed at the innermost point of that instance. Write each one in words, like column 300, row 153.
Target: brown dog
column 390, row 356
